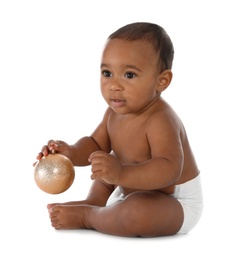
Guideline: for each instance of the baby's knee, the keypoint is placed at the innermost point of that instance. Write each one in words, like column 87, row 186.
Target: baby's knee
column 132, row 215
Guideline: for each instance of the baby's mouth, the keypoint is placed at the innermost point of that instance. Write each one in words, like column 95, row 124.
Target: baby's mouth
column 117, row 102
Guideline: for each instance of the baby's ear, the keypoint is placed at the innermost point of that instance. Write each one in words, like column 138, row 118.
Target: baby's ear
column 164, row 80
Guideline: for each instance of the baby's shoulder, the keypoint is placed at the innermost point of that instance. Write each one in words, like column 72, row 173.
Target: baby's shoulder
column 164, row 115
column 163, row 111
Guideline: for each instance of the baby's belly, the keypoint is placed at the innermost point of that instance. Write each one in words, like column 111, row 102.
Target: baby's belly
column 168, row 190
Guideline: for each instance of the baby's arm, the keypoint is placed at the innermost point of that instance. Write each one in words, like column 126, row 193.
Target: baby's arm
column 79, row 152
column 99, row 140
column 82, row 149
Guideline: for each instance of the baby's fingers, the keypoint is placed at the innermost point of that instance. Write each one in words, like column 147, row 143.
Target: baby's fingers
column 44, row 152
column 96, row 175
column 97, row 156
column 52, row 146
column 56, row 146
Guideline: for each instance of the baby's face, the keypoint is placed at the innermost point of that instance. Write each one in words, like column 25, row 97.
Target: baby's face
column 129, row 75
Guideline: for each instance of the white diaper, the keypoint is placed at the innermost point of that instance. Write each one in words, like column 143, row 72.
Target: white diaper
column 189, row 194
column 116, row 196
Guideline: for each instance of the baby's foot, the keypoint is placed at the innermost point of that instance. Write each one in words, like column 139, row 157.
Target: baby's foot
column 50, row 206
column 68, row 216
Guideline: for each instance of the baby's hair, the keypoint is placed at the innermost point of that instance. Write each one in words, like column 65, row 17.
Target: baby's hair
column 152, row 33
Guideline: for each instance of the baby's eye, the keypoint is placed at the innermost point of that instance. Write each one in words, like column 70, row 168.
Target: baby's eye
column 106, row 73
column 130, row 75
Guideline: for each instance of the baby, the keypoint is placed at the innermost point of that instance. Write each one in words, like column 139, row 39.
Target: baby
column 145, row 178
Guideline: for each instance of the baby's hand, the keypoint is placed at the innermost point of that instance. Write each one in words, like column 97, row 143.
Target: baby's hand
column 55, row 146
column 105, row 167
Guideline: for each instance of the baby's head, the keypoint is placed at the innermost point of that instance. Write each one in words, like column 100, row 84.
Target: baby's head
column 152, row 33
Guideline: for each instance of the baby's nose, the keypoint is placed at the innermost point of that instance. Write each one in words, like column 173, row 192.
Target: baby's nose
column 115, row 85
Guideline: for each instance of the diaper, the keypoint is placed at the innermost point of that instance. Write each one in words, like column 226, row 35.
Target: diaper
column 189, row 194
column 116, row 196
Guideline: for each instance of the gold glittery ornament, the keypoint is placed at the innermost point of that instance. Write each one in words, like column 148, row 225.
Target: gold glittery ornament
column 54, row 173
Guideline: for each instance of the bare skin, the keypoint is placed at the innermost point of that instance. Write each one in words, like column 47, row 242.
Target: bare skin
column 140, row 145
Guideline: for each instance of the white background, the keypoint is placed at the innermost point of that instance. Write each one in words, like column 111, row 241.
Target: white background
column 49, row 88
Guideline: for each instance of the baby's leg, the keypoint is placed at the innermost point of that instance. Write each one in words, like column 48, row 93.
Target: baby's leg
column 144, row 214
